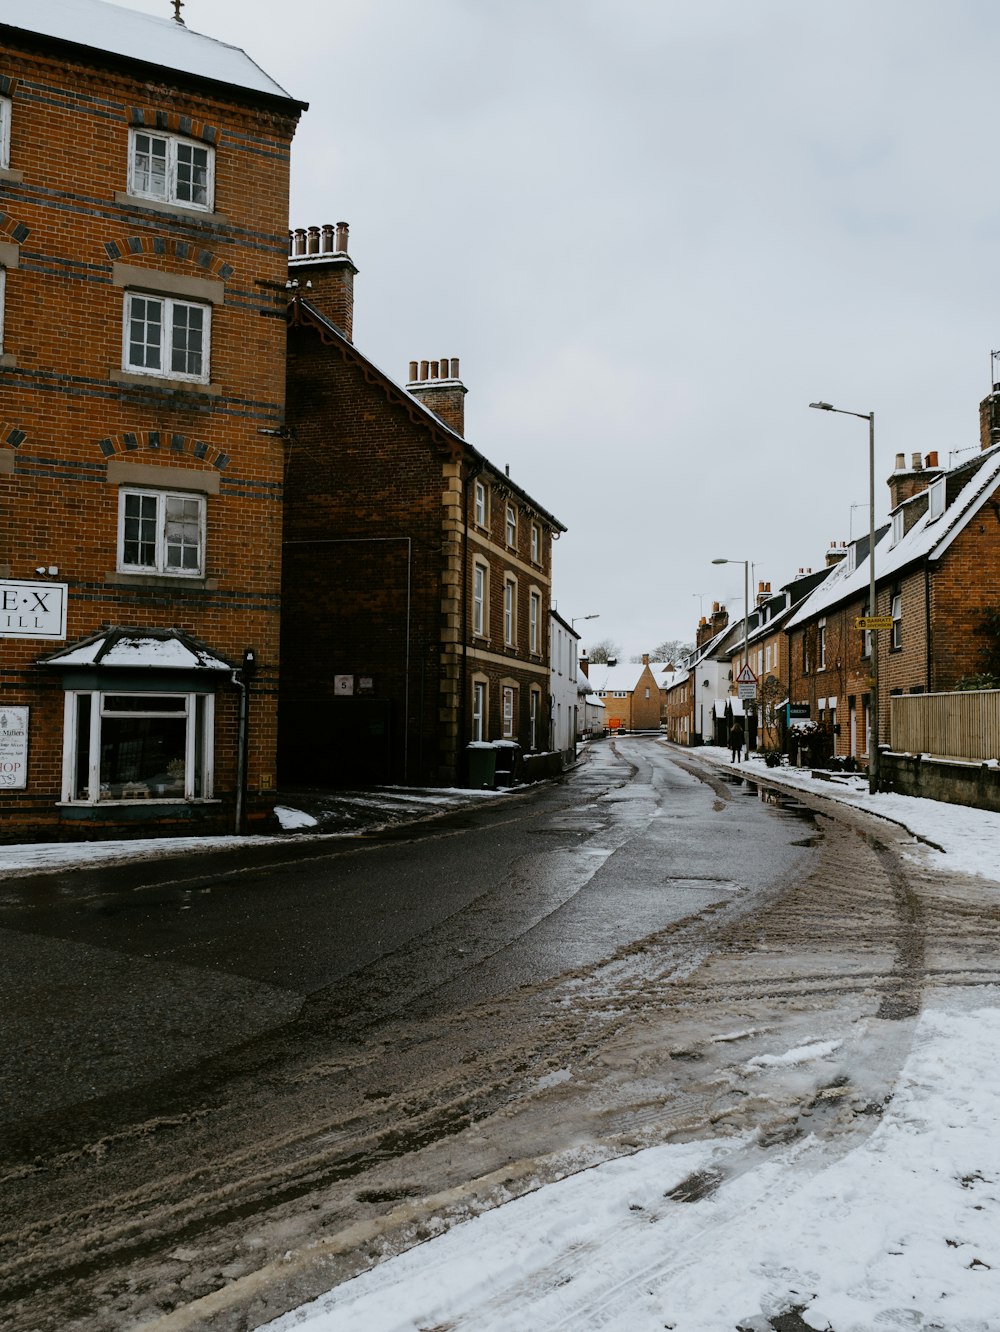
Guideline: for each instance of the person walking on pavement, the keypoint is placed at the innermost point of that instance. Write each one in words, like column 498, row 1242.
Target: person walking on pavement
column 736, row 740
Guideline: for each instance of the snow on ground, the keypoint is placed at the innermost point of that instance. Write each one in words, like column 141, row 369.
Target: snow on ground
column 902, row 1232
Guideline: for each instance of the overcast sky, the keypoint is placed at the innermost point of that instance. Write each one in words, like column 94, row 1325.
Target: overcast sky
column 654, row 231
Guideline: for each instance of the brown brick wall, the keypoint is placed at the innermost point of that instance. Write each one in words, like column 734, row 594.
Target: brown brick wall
column 65, row 411
column 375, row 531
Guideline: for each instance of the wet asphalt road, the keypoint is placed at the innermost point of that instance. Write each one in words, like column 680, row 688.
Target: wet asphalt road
column 118, row 980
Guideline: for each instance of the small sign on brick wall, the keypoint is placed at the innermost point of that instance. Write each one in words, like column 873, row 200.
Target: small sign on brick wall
column 13, row 748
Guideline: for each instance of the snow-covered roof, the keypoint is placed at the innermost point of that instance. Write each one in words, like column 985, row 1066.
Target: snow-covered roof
column 928, row 538
column 156, row 41
column 160, row 649
column 624, row 677
column 736, row 704
column 592, row 701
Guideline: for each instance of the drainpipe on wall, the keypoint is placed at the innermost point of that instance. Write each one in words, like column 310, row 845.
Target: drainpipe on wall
column 463, row 701
column 242, row 678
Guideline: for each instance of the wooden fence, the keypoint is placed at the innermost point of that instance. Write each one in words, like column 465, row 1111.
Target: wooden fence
column 962, row 725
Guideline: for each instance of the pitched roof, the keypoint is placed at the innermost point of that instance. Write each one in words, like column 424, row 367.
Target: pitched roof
column 128, row 648
column 305, row 314
column 928, row 538
column 143, row 37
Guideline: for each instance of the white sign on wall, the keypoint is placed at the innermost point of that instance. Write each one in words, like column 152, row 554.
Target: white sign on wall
column 13, row 748
column 32, row 610
column 343, row 684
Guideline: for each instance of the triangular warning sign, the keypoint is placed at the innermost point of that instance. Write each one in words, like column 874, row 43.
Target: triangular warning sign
column 746, row 676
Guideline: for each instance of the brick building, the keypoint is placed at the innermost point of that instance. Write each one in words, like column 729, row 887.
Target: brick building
column 143, row 243
column 634, row 700
column 417, row 574
column 937, row 565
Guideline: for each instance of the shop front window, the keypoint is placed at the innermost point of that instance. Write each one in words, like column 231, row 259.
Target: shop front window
column 139, row 746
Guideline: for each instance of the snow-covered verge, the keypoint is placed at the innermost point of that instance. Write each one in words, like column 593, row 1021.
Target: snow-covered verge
column 901, row 1232
column 341, row 814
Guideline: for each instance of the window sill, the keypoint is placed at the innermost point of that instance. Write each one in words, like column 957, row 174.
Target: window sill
column 145, row 802
column 164, row 383
column 170, row 209
column 11, row 176
column 117, row 578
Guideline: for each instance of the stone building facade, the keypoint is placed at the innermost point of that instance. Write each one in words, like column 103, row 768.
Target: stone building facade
column 143, row 225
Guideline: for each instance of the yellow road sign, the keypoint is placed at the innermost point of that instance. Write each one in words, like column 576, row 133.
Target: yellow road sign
column 873, row 621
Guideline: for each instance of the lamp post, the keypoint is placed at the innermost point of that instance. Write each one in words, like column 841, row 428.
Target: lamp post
column 596, row 616
column 873, row 701
column 746, row 625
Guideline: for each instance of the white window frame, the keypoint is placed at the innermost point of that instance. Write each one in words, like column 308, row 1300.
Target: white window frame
column 510, row 526
column 168, row 305
column 534, row 705
column 866, row 635
column 534, row 621
column 821, row 644
column 160, row 565
column 507, row 693
column 935, row 499
column 4, row 133
column 480, row 599
column 536, row 544
column 479, row 709
column 898, row 526
column 173, row 146
column 510, row 612
column 479, row 504
column 199, row 719
column 897, row 620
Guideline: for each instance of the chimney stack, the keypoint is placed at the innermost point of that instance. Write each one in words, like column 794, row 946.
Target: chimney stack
column 437, row 385
column 905, row 483
column 321, row 268
column 989, row 419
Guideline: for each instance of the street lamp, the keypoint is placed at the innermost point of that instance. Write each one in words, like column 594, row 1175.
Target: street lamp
column 746, row 623
column 595, row 616
column 873, row 701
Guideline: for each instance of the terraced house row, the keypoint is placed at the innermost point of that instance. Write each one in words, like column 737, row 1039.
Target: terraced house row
column 147, row 457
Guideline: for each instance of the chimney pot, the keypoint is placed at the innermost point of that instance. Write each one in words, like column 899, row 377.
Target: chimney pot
column 326, row 247
column 715, row 606
column 313, row 242
column 424, row 367
column 413, row 371
column 342, row 234
column 932, row 459
column 454, row 367
column 900, row 462
column 916, row 462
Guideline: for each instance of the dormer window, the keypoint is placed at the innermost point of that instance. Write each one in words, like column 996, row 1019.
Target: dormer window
column 898, row 527
column 935, row 499
column 171, row 170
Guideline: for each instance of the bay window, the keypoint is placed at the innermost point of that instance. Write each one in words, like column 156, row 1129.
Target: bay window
column 128, row 746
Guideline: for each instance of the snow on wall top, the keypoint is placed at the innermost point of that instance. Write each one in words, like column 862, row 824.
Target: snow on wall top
column 124, row 32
